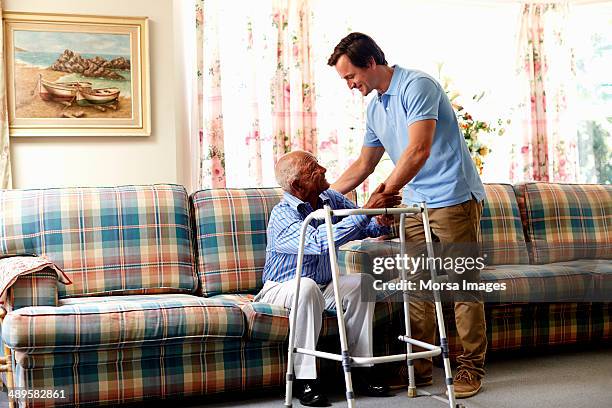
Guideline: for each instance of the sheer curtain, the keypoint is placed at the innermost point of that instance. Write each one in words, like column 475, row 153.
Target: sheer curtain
column 255, row 89
column 293, row 87
column 547, row 149
column 5, row 162
column 264, row 87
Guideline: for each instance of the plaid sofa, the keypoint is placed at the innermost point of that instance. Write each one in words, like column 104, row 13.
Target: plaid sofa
column 551, row 244
column 160, row 300
column 160, row 303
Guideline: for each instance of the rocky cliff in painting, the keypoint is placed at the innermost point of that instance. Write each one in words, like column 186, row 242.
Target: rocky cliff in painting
column 99, row 67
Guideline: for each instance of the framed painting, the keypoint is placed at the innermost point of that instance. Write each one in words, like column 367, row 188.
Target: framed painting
column 77, row 75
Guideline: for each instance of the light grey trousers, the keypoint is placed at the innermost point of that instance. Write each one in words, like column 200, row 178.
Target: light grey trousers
column 313, row 300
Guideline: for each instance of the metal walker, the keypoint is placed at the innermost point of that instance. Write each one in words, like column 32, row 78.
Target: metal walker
column 347, row 360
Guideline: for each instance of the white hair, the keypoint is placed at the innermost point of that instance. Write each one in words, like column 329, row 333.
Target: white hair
column 290, row 166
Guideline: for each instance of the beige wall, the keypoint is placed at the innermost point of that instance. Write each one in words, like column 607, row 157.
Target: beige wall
column 107, row 161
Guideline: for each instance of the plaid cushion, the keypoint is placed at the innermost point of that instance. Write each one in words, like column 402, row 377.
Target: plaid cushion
column 582, row 280
column 117, row 377
column 231, row 237
column 501, row 231
column 267, row 322
column 358, row 257
column 264, row 321
column 37, row 289
column 564, row 222
column 109, row 240
column 572, row 281
column 120, row 322
column 539, row 325
column 270, row 323
column 501, row 236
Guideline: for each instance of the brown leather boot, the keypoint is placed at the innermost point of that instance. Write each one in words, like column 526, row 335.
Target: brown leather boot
column 466, row 384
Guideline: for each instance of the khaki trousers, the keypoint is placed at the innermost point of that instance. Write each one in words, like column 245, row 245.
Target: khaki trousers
column 454, row 224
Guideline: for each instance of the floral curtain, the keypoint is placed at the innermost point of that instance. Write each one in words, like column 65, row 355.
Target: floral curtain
column 255, row 89
column 547, row 149
column 5, row 162
column 293, row 93
column 211, row 154
column 340, row 112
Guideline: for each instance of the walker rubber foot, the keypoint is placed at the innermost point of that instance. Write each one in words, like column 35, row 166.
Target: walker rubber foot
column 412, row 392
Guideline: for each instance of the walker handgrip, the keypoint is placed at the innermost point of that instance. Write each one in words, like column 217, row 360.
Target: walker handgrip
column 316, row 215
column 376, row 211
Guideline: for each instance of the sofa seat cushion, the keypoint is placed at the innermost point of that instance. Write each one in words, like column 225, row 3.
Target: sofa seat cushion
column 571, row 281
column 267, row 322
column 538, row 326
column 564, row 222
column 121, row 322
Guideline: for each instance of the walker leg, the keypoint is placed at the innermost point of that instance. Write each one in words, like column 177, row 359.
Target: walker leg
column 292, row 320
column 289, row 389
column 448, row 373
column 348, row 379
column 346, row 358
column 290, row 354
column 290, row 376
column 450, row 389
column 412, row 391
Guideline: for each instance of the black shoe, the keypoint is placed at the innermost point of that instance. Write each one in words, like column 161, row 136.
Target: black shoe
column 309, row 393
column 365, row 383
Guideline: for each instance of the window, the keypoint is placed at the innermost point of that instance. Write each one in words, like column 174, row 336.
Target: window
column 591, row 32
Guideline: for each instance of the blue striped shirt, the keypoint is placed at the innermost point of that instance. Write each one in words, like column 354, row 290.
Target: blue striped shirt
column 284, row 237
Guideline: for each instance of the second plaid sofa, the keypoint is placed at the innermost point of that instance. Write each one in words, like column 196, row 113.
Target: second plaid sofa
column 551, row 244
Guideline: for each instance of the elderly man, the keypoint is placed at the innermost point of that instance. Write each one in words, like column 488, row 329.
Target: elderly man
column 306, row 190
column 411, row 118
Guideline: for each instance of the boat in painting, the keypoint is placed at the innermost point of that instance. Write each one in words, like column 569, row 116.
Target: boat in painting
column 96, row 96
column 63, row 91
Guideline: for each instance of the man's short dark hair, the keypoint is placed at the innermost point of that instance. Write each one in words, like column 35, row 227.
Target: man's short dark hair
column 360, row 49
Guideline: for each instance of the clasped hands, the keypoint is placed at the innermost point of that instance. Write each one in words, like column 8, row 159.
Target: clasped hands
column 382, row 198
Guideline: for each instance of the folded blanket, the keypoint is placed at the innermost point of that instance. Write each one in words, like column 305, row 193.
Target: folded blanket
column 12, row 267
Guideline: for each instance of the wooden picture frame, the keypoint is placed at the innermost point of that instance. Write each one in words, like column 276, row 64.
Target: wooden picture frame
column 77, row 75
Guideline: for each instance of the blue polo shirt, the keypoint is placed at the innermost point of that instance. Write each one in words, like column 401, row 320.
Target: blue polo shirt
column 449, row 175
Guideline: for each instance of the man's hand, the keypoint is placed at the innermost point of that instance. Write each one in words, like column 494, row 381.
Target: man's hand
column 385, row 220
column 380, row 199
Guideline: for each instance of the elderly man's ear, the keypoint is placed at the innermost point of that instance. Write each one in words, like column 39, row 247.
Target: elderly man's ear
column 296, row 186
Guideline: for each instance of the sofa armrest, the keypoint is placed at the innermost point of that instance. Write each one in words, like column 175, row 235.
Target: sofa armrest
column 29, row 281
column 35, row 289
